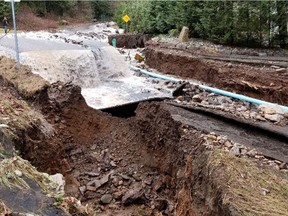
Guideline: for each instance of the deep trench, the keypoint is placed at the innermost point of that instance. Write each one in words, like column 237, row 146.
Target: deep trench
column 123, row 111
column 127, row 110
column 154, row 123
column 36, row 148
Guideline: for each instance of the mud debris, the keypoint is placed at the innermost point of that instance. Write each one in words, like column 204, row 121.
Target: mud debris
column 250, row 80
column 147, row 164
column 149, row 149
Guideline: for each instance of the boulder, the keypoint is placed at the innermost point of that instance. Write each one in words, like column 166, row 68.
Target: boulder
column 184, row 34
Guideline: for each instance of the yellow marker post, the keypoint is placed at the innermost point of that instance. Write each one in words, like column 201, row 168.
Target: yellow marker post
column 126, row 19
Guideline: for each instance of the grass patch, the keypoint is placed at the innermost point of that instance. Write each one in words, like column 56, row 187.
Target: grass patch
column 10, row 178
column 249, row 189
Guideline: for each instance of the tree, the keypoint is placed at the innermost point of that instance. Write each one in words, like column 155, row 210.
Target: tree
column 119, row 13
column 249, row 23
column 5, row 9
column 281, row 21
column 59, row 7
column 102, row 10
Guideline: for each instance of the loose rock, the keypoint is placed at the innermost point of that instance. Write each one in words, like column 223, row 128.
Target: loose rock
column 283, row 166
column 106, row 199
column 135, row 195
column 113, row 164
column 281, row 70
column 82, row 189
column 228, row 144
column 235, row 150
column 58, row 179
column 18, row 173
column 148, row 182
column 274, row 117
column 125, row 177
column 268, row 109
column 251, row 153
column 197, row 98
column 98, row 183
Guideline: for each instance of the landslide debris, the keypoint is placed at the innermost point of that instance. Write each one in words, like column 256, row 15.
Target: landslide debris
column 148, row 164
column 21, row 78
column 256, row 81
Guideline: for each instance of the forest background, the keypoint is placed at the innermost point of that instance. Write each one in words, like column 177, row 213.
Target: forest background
column 261, row 23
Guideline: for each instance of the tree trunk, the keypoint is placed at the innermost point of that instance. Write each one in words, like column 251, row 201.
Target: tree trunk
column 282, row 23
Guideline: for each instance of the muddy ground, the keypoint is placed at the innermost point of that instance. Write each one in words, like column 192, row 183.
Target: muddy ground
column 147, row 164
column 264, row 78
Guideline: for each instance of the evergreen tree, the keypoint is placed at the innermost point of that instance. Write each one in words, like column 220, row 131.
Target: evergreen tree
column 249, row 23
column 281, row 20
column 102, row 10
column 59, row 7
column 5, row 9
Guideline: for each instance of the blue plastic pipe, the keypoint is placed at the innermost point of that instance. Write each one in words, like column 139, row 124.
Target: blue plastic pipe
column 154, row 74
column 215, row 90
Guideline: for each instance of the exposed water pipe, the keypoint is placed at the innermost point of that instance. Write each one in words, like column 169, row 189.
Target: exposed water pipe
column 215, row 90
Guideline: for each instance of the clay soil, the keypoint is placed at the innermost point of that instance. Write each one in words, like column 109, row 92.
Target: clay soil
column 149, row 163
column 248, row 77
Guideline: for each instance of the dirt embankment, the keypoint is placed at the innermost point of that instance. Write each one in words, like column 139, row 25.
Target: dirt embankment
column 145, row 165
column 256, row 81
column 129, row 41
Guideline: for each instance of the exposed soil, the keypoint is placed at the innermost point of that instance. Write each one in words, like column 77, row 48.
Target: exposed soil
column 129, row 40
column 148, row 164
column 259, row 139
column 252, row 80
